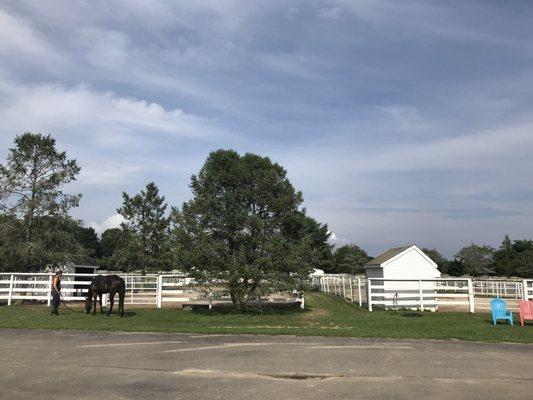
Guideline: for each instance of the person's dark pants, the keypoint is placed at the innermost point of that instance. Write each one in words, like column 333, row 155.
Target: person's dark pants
column 55, row 301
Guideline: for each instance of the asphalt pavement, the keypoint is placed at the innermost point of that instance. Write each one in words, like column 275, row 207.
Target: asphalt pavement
column 42, row 364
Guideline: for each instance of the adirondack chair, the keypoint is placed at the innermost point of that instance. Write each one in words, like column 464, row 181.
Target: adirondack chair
column 526, row 310
column 499, row 311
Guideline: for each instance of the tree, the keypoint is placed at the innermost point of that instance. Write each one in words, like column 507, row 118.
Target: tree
column 110, row 241
column 32, row 179
column 145, row 232
column 244, row 228
column 88, row 239
column 35, row 209
column 514, row 258
column 439, row 259
column 477, row 260
column 350, row 259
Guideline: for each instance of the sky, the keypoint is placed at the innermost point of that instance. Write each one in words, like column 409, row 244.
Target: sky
column 401, row 122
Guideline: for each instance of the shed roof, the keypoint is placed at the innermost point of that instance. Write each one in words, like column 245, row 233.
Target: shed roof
column 387, row 255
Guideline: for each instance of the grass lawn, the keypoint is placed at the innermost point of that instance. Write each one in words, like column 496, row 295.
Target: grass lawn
column 325, row 316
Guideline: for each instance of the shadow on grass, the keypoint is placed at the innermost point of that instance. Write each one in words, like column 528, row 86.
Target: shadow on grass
column 284, row 309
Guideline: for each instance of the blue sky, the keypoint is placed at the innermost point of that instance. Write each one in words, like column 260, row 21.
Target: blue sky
column 401, row 122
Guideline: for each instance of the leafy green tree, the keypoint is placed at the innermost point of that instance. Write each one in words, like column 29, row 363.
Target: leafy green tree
column 144, row 243
column 477, row 260
column 245, row 229
column 439, row 259
column 350, row 259
column 88, row 239
column 514, row 258
column 35, row 209
column 110, row 241
column 455, row 268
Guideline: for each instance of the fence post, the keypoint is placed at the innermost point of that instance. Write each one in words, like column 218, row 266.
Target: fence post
column 159, row 297
column 351, row 291
column 369, row 293
column 471, row 296
column 524, row 290
column 49, row 290
column 360, row 295
column 302, row 301
column 421, row 294
column 10, row 290
column 343, row 287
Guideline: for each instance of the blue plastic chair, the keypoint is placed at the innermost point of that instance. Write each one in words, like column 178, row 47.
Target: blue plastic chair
column 499, row 311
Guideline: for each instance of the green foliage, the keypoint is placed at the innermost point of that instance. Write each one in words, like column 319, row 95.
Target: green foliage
column 143, row 243
column 88, row 239
column 37, row 231
column 476, row 260
column 514, row 258
column 244, row 227
column 110, row 241
column 439, row 259
column 350, row 259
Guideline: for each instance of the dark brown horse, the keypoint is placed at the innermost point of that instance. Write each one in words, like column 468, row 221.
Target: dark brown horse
column 111, row 284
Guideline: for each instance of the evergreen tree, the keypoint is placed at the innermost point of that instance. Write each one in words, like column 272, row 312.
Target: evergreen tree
column 144, row 244
column 244, row 227
column 40, row 232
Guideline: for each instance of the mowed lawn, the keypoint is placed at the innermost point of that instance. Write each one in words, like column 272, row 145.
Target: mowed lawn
column 325, row 316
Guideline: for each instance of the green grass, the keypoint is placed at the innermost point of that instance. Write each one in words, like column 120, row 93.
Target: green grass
column 325, row 316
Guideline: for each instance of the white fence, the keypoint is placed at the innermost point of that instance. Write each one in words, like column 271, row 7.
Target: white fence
column 140, row 289
column 426, row 294
column 157, row 290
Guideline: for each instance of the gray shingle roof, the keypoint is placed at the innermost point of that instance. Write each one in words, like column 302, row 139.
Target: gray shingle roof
column 387, row 255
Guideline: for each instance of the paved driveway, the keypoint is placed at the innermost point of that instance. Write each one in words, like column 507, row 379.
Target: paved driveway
column 102, row 365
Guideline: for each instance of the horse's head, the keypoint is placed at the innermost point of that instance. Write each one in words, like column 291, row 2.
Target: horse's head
column 88, row 303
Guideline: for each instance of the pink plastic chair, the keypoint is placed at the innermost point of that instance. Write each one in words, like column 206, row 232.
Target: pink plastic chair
column 526, row 310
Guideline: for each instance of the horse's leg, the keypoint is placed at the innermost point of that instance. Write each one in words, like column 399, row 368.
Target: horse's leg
column 101, row 308
column 121, row 296
column 95, row 297
column 111, row 302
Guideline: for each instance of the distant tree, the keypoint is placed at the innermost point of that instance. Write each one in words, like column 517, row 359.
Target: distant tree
column 514, row 258
column 110, row 241
column 244, row 227
column 35, row 209
column 145, row 232
column 477, row 260
column 455, row 268
column 88, row 239
column 350, row 259
column 439, row 259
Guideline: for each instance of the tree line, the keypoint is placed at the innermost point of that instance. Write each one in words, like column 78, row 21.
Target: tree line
column 513, row 258
column 245, row 223
column 244, row 227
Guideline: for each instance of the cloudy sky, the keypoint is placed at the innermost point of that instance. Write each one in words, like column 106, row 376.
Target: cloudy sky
column 401, row 122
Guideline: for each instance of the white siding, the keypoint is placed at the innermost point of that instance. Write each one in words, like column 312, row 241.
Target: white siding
column 410, row 265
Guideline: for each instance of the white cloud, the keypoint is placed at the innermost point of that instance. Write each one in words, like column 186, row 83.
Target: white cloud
column 111, row 222
column 101, row 47
column 18, row 37
column 52, row 107
column 333, row 13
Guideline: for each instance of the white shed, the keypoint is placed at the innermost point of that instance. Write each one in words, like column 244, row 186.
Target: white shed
column 408, row 262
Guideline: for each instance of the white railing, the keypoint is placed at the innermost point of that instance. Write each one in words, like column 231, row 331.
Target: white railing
column 350, row 287
column 421, row 294
column 156, row 289
column 425, row 294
